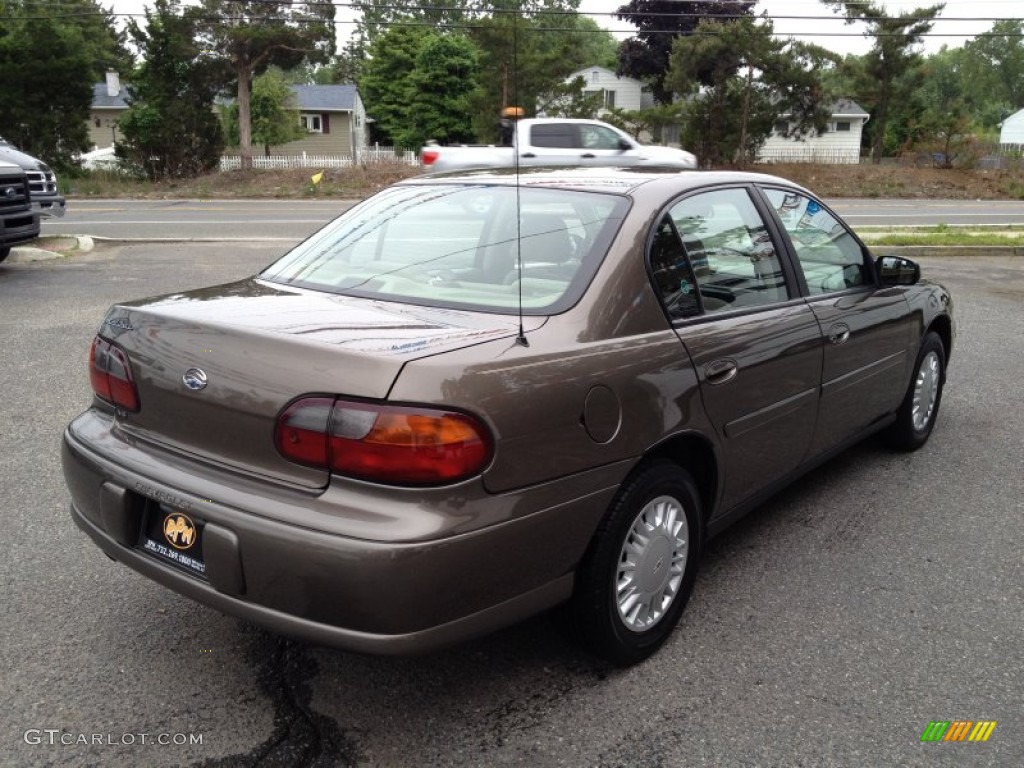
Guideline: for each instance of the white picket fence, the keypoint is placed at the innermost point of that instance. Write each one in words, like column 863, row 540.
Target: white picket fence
column 365, row 156
column 810, row 155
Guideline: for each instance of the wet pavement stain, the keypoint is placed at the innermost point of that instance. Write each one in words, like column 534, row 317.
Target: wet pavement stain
column 301, row 738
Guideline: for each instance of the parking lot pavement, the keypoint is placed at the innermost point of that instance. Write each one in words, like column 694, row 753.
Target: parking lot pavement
column 880, row 593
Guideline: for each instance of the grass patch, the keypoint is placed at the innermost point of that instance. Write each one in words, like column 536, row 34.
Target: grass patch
column 950, row 239
column 292, row 183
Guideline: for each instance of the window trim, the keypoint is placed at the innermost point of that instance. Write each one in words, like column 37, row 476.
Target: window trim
column 306, row 118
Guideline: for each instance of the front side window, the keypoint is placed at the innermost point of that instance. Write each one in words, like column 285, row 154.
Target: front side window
column 730, row 250
column 598, row 137
column 461, row 246
column 830, row 257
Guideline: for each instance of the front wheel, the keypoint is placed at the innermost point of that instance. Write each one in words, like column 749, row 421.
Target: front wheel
column 916, row 416
column 639, row 569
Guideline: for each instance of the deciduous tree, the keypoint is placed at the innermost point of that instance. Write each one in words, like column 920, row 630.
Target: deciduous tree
column 660, row 23
column 275, row 115
column 996, row 63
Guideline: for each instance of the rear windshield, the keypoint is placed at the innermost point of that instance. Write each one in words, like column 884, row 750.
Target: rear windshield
column 461, row 246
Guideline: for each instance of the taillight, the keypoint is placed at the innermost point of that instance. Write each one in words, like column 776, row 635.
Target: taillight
column 110, row 374
column 394, row 444
column 428, row 156
column 301, row 431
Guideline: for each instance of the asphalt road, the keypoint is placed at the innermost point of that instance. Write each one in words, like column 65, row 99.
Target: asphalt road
column 290, row 220
column 882, row 592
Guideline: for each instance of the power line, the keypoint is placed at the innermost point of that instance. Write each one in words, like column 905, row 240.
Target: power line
column 541, row 15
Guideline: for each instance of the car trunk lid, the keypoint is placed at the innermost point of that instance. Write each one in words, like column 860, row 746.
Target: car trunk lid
column 259, row 347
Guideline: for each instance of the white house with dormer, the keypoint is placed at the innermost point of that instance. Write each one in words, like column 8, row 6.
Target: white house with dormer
column 838, row 144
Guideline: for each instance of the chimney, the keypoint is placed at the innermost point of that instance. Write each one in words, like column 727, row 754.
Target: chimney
column 113, row 84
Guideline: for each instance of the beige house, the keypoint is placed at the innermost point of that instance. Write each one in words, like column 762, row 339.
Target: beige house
column 333, row 116
column 108, row 104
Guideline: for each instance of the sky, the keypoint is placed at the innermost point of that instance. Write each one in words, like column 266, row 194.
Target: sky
column 812, row 21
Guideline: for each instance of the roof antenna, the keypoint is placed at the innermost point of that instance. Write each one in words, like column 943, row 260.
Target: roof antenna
column 516, row 112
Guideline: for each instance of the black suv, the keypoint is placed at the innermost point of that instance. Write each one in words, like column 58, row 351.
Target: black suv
column 18, row 222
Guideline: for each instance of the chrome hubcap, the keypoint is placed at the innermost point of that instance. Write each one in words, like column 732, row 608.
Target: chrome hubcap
column 651, row 563
column 926, row 391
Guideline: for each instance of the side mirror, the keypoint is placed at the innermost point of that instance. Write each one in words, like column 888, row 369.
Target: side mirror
column 625, row 144
column 895, row 270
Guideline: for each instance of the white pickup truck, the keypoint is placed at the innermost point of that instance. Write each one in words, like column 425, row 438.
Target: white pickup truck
column 557, row 141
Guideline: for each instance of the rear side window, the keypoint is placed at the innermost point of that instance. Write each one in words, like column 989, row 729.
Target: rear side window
column 555, row 135
column 730, row 250
column 672, row 273
column 461, row 246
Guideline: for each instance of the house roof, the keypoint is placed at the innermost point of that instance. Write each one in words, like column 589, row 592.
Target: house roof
column 1016, row 117
column 102, row 100
column 586, row 70
column 848, row 108
column 325, row 98
column 317, row 98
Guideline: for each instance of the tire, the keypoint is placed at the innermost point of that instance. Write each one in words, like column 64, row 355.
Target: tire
column 659, row 498
column 916, row 417
column 5, row 251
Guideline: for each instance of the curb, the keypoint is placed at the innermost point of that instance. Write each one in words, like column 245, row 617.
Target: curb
column 23, row 254
column 919, row 251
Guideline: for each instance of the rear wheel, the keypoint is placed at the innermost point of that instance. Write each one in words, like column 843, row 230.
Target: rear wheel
column 916, row 416
column 639, row 570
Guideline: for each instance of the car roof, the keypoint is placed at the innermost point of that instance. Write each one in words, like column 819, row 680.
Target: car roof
column 623, row 181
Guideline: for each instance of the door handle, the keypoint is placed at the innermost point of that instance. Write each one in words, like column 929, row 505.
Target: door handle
column 721, row 371
column 588, row 156
column 528, row 154
column 839, row 334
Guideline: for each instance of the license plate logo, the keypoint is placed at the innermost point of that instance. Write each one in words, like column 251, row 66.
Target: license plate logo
column 174, row 537
column 180, row 531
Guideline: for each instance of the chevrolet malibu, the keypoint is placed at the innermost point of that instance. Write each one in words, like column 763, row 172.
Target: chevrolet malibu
column 472, row 398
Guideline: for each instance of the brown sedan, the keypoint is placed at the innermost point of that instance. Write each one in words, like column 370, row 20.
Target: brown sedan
column 469, row 399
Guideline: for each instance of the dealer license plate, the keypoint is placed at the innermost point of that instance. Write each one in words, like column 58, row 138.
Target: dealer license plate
column 174, row 537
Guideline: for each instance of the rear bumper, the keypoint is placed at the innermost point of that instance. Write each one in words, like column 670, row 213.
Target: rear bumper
column 379, row 597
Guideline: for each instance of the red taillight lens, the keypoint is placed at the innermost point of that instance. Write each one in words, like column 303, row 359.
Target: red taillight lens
column 110, row 374
column 394, row 444
column 428, row 156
